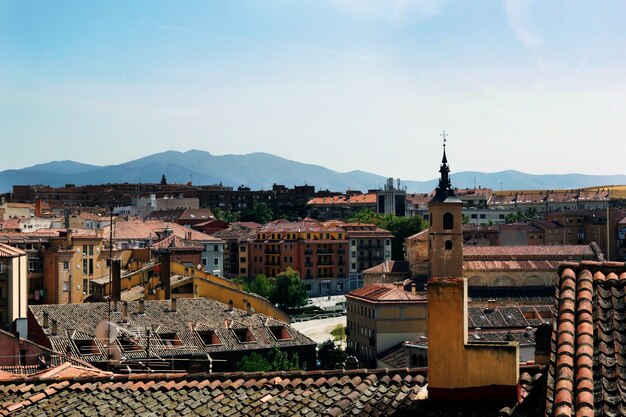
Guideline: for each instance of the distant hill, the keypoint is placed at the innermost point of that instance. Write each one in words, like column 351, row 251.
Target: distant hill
column 260, row 170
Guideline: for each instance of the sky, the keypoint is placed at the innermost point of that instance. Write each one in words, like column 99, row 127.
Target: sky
column 534, row 86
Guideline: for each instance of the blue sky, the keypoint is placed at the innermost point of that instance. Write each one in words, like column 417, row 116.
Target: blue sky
column 347, row 84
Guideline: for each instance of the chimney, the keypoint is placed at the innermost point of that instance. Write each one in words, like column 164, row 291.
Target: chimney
column 142, row 307
column 124, row 311
column 173, row 305
column 543, row 335
column 45, row 320
column 413, row 289
column 164, row 275
column 54, row 328
column 249, row 309
column 230, row 305
column 188, row 235
column 116, row 272
column 38, row 208
column 114, row 305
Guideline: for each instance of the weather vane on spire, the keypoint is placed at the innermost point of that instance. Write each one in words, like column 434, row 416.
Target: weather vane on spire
column 444, row 135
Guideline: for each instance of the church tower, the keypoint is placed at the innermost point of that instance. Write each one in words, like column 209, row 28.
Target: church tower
column 445, row 238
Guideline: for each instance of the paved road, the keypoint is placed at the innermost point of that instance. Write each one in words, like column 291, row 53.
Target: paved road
column 319, row 330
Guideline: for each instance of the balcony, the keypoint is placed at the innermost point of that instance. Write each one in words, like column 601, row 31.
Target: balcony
column 324, row 250
column 341, row 251
column 308, row 251
column 269, row 251
column 308, row 264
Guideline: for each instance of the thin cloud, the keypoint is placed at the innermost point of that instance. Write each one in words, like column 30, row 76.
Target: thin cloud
column 246, row 41
column 391, row 10
column 517, row 13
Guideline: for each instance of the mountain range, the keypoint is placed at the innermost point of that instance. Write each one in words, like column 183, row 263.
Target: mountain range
column 261, row 170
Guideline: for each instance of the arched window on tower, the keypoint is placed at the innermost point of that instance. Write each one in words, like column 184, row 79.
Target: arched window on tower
column 448, row 245
column 448, row 221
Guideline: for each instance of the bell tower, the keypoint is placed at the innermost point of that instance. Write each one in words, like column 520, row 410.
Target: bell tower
column 445, row 238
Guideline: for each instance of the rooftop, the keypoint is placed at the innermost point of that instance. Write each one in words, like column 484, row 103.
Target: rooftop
column 385, row 292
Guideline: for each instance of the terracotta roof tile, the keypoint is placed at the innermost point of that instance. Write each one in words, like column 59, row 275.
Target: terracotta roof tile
column 587, row 360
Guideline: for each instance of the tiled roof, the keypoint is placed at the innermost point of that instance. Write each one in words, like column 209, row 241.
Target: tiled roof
column 513, row 317
column 531, row 252
column 7, row 251
column 502, row 265
column 236, row 231
column 385, row 292
column 588, row 354
column 78, row 321
column 420, row 236
column 378, row 392
column 174, row 241
column 305, row 225
column 342, row 199
column 147, row 229
column 390, row 267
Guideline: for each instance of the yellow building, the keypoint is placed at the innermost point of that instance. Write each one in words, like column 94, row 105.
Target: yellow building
column 73, row 259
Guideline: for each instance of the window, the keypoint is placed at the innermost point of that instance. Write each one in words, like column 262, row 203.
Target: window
column 448, row 221
column 216, row 261
column 170, row 340
column 209, row 337
column 85, row 286
column 204, row 261
column 66, row 265
column 280, row 333
column 215, row 248
column 86, row 347
column 128, row 344
column 448, row 245
column 0, row 267
column 244, row 335
column 65, row 286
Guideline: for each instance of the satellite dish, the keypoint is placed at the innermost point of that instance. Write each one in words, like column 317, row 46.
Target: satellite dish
column 115, row 354
column 106, row 332
column 199, row 267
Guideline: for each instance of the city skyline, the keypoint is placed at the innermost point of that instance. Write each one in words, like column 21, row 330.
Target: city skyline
column 348, row 85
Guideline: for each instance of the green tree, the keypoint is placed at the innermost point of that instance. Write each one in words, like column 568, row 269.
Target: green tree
column 275, row 360
column 289, row 290
column 260, row 285
column 339, row 332
column 226, row 215
column 260, row 213
column 466, row 219
column 163, row 180
column 330, row 355
column 253, row 363
column 400, row 227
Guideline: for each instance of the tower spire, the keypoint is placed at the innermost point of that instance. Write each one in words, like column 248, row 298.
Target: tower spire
column 444, row 189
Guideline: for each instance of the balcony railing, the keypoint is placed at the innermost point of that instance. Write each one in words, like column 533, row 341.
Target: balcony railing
column 324, row 250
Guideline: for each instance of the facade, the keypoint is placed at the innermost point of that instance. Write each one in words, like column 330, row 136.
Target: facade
column 551, row 200
column 318, row 251
column 369, row 246
column 234, row 236
column 391, row 200
column 342, row 206
column 380, row 316
column 13, row 284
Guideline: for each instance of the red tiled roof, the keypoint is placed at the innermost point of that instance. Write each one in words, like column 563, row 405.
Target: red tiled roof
column 342, row 199
column 7, row 251
column 305, row 225
column 147, row 229
column 530, row 252
column 385, row 292
column 389, row 267
column 588, row 354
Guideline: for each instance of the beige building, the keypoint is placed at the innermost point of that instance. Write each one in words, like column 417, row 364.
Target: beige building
column 380, row 316
column 13, row 284
column 73, row 259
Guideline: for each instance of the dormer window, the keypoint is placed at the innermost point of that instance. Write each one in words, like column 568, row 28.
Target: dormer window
column 128, row 344
column 244, row 335
column 170, row 340
column 209, row 337
column 86, row 346
column 280, row 333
